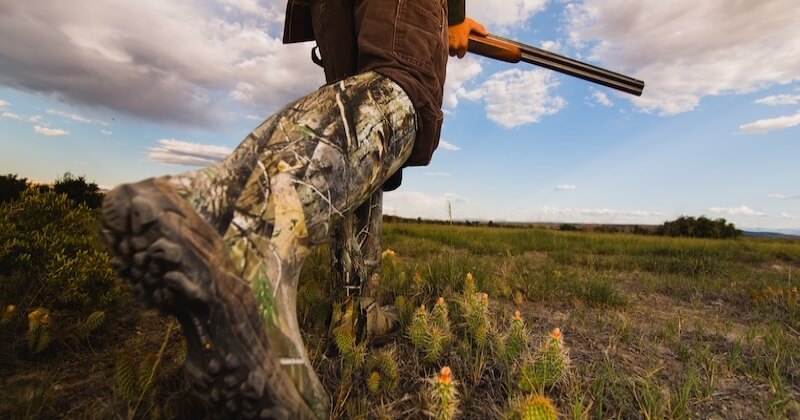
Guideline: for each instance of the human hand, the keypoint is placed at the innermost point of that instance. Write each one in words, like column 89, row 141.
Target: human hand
column 458, row 36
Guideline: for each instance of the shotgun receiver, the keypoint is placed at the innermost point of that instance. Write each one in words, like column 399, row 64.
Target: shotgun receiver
column 502, row 49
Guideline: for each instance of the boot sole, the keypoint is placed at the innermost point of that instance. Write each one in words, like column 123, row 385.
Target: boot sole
column 177, row 263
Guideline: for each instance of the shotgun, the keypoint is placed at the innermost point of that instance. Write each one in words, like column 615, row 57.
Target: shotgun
column 502, row 49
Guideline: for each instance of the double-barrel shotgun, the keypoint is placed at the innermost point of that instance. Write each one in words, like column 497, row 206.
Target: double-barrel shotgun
column 502, row 49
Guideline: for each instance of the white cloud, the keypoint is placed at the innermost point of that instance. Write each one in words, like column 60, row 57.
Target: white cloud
column 445, row 145
column 603, row 214
column 736, row 211
column 4, row 104
column 437, row 174
column 116, row 56
column 419, row 204
column 783, row 197
column 552, row 46
column 254, row 117
column 69, row 115
column 106, row 132
column 12, row 116
column 686, row 50
column 601, row 98
column 35, row 118
column 459, row 72
column 50, row 132
column 788, row 216
column 177, row 152
column 770, row 124
column 565, row 187
column 515, row 97
column 779, row 100
column 506, row 13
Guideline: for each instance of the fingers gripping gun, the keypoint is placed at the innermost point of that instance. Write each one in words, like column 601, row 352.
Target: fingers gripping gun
column 502, row 49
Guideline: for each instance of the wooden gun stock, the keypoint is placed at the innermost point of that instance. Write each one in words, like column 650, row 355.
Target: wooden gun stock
column 502, row 49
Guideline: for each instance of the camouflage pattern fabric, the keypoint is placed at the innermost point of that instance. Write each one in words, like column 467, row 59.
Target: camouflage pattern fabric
column 281, row 191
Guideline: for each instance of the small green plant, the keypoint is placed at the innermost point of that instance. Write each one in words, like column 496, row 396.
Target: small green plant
column 548, row 367
column 352, row 354
column 536, row 407
column 92, row 323
column 443, row 396
column 516, row 341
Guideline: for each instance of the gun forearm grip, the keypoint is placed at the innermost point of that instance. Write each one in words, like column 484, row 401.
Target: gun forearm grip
column 494, row 48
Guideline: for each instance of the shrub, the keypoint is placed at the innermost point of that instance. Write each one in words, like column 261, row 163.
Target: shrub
column 51, row 257
column 11, row 187
column 701, row 227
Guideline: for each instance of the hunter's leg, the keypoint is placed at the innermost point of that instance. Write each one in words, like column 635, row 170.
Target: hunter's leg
column 274, row 199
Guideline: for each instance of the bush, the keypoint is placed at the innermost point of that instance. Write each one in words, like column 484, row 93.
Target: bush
column 701, row 227
column 51, row 256
column 79, row 191
column 11, row 187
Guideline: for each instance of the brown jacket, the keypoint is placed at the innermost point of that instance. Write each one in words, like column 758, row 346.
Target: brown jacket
column 405, row 40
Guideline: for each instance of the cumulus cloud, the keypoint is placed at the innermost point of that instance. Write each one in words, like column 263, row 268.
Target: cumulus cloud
column 736, row 211
column 4, row 104
column 12, row 116
column 50, row 132
column 565, row 187
column 116, row 57
column 506, row 13
column 177, row 152
column 515, row 97
column 770, row 124
column 601, row 98
column 788, row 216
column 459, row 73
column 686, row 50
column 775, row 100
column 106, row 132
column 445, row 145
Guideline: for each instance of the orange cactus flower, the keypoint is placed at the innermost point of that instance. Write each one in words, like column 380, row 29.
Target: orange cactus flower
column 485, row 298
column 556, row 334
column 445, row 376
column 440, row 301
column 517, row 316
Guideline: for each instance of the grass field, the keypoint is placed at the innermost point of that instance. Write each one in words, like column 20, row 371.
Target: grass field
column 653, row 327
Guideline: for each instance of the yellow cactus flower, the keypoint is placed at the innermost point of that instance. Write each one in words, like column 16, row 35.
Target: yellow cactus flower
column 10, row 309
column 388, row 253
column 440, row 301
column 469, row 277
column 485, row 298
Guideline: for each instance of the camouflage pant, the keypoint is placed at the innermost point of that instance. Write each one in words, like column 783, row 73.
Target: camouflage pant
column 282, row 189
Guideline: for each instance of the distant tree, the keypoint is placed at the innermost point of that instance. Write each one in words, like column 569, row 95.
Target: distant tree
column 568, row 227
column 11, row 187
column 78, row 190
column 701, row 227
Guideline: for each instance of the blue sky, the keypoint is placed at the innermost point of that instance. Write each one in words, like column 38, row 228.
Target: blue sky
column 120, row 91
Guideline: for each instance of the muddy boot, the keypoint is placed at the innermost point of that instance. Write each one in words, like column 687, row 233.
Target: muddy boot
column 181, row 265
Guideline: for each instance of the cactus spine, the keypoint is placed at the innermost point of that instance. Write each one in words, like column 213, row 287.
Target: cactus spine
column 536, row 407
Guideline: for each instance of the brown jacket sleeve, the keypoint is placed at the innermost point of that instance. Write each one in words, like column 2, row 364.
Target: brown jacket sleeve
column 456, row 12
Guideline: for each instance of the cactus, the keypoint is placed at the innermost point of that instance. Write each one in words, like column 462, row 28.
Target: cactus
column 536, row 407
column 444, row 396
column 374, row 383
column 126, row 378
column 430, row 333
column 516, row 343
column 469, row 285
column 548, row 367
column 418, row 330
column 476, row 312
column 346, row 344
column 94, row 321
column 384, row 364
column 38, row 330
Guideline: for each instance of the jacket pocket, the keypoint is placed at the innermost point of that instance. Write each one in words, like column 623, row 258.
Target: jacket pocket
column 418, row 32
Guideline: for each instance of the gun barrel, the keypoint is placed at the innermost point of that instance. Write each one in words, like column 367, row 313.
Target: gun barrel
column 571, row 67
